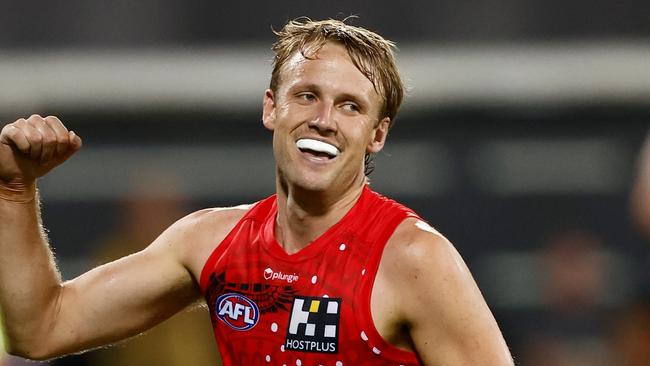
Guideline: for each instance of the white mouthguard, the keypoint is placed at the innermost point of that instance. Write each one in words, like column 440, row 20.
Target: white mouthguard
column 317, row 146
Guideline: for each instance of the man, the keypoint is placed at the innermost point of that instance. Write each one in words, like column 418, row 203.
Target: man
column 324, row 272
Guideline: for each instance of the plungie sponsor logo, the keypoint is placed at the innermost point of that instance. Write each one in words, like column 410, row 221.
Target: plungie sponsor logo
column 270, row 274
column 237, row 311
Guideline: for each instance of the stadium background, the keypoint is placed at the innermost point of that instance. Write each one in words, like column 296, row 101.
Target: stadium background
column 518, row 140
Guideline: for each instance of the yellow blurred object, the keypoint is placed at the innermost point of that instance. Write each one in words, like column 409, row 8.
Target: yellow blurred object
column 3, row 355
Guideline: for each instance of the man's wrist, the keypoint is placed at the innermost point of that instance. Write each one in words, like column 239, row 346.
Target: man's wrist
column 18, row 192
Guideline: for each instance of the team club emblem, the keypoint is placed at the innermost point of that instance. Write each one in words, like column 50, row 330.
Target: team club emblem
column 237, row 311
column 314, row 325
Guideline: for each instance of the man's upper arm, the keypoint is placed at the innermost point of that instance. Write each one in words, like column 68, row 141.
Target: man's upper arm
column 125, row 297
column 449, row 321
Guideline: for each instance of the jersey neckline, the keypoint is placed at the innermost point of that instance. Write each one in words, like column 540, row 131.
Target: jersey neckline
column 317, row 246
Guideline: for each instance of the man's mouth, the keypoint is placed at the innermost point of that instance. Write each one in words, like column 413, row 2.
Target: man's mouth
column 318, row 148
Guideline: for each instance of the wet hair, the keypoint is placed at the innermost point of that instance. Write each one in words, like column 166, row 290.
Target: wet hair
column 371, row 53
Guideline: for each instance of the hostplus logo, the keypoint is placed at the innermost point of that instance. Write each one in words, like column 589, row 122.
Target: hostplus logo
column 314, row 325
column 270, row 274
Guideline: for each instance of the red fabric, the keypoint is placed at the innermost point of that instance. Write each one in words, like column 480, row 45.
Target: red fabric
column 308, row 308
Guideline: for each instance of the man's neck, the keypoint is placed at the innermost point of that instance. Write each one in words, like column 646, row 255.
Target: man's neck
column 304, row 216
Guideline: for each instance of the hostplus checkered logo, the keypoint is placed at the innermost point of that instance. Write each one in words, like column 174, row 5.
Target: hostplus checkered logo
column 314, row 325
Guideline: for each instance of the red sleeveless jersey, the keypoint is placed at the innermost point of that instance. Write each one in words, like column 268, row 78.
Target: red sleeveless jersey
column 308, row 308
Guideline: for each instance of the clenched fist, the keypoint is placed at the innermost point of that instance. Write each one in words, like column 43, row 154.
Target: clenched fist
column 31, row 147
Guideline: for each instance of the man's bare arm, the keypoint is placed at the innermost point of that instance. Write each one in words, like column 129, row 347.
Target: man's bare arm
column 29, row 148
column 109, row 303
column 448, row 320
column 45, row 318
column 122, row 298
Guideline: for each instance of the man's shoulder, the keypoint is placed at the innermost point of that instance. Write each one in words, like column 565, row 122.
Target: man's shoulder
column 211, row 223
column 214, row 217
column 220, row 218
column 437, row 298
column 415, row 241
column 195, row 236
column 423, row 258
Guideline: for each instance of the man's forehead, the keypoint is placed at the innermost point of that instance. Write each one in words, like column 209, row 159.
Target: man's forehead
column 329, row 57
column 316, row 53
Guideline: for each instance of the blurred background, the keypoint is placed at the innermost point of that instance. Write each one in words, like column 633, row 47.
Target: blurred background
column 520, row 139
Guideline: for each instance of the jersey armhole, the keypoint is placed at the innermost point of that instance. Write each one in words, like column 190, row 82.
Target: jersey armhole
column 369, row 332
column 214, row 256
column 223, row 245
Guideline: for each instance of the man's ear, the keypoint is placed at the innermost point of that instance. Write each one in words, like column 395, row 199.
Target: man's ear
column 379, row 134
column 268, row 110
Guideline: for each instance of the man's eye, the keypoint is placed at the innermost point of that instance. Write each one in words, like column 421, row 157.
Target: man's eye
column 350, row 107
column 306, row 96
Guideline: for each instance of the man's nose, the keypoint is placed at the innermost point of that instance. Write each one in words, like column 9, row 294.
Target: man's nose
column 324, row 118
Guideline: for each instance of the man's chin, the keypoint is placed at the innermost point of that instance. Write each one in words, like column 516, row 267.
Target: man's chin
column 316, row 183
column 311, row 185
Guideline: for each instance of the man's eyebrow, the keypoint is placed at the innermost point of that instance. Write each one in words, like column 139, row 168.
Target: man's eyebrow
column 354, row 97
column 359, row 99
column 305, row 86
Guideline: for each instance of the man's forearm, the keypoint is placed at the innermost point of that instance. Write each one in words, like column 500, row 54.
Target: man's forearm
column 29, row 280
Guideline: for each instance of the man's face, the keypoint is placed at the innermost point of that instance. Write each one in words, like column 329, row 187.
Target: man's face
column 325, row 118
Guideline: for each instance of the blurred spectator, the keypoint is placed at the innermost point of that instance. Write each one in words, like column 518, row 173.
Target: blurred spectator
column 186, row 338
column 640, row 199
column 631, row 335
column 571, row 328
column 576, row 272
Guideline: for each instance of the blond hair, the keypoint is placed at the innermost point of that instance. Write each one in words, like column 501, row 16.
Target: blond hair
column 371, row 54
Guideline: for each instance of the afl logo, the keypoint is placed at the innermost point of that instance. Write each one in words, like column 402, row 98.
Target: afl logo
column 237, row 311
